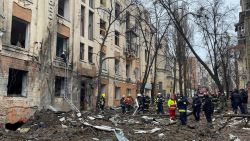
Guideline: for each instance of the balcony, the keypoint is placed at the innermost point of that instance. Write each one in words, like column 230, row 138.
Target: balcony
column 133, row 31
column 131, row 51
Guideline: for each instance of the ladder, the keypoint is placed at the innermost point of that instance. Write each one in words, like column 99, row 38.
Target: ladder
column 65, row 95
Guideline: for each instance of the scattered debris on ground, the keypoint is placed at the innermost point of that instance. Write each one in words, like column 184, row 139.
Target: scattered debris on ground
column 111, row 125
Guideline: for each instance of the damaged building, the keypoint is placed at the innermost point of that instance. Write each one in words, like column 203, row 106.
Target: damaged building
column 49, row 52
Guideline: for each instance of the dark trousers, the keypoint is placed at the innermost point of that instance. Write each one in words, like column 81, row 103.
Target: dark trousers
column 160, row 109
column 183, row 118
column 242, row 110
column 141, row 109
column 208, row 117
column 196, row 113
column 129, row 107
column 235, row 108
column 123, row 109
column 102, row 107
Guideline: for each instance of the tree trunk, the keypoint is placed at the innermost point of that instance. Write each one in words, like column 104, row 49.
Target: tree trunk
column 174, row 83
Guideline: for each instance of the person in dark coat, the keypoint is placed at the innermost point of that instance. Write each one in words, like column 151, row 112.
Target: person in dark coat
column 159, row 101
column 196, row 105
column 236, row 100
column 244, row 97
column 123, row 104
column 102, row 101
column 141, row 101
column 182, row 108
column 208, row 109
column 222, row 100
column 129, row 101
column 147, row 102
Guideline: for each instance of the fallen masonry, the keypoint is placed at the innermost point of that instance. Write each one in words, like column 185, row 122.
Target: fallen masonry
column 111, row 125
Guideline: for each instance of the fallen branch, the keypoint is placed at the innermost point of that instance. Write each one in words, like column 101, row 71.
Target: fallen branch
column 225, row 124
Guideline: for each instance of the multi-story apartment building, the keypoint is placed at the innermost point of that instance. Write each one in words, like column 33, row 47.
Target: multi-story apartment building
column 49, row 52
column 243, row 47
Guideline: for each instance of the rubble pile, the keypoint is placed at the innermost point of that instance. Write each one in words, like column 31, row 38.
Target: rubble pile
column 110, row 125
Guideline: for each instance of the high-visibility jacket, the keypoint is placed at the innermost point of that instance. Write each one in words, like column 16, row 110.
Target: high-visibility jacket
column 172, row 104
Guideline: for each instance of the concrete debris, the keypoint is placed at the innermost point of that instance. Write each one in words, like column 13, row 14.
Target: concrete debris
column 62, row 119
column 155, row 123
column 246, row 129
column 23, row 130
column 147, row 119
column 161, row 135
column 120, row 135
column 99, row 117
column 118, row 132
column 64, row 126
column 79, row 114
column 113, row 120
column 132, row 121
column 234, row 123
column 147, row 131
column 52, row 108
column 91, row 118
column 233, row 138
column 95, row 139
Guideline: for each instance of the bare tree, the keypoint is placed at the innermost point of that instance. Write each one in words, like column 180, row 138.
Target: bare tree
column 153, row 33
column 209, row 19
column 113, row 14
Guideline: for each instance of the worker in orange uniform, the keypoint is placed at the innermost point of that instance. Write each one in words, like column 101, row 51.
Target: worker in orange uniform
column 172, row 107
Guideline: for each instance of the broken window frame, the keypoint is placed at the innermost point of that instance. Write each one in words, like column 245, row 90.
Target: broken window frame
column 117, row 10
column 23, row 89
column 128, row 92
column 61, row 50
column 117, row 66
column 90, row 54
column 117, row 38
column 82, row 23
column 92, row 4
column 104, row 64
column 14, row 32
column 102, row 28
column 117, row 93
column 82, row 51
column 61, row 87
column 91, row 26
column 64, row 12
column 128, row 70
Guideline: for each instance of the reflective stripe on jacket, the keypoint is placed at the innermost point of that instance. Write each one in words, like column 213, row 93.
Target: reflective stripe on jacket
column 182, row 111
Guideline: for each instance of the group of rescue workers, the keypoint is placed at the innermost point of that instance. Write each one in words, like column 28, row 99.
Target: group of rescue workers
column 179, row 102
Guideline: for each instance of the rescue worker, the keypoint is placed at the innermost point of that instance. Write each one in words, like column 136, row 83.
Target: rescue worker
column 222, row 100
column 208, row 109
column 182, row 108
column 215, row 100
column 102, row 101
column 244, row 98
column 129, row 101
column 172, row 107
column 236, row 101
column 147, row 102
column 140, row 100
column 123, row 105
column 159, row 102
column 196, row 105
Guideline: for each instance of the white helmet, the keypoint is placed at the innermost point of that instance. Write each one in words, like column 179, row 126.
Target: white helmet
column 138, row 94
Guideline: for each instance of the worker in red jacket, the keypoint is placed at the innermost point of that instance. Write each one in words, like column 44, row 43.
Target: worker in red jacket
column 172, row 107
